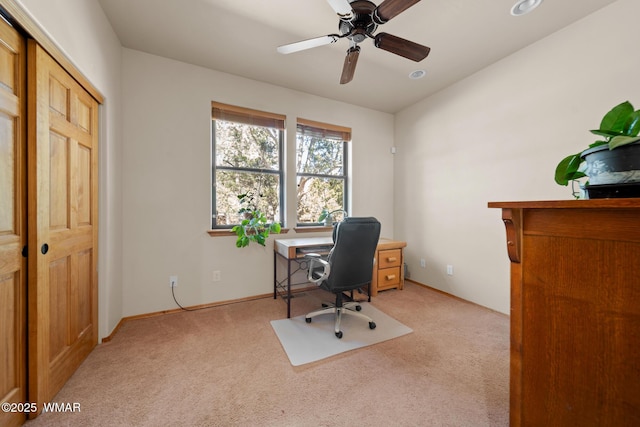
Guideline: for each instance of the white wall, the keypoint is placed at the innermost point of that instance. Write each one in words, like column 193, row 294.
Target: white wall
column 498, row 136
column 494, row 136
column 92, row 46
column 167, row 183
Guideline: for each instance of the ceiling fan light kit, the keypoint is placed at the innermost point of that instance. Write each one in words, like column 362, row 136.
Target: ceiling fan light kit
column 358, row 20
column 523, row 7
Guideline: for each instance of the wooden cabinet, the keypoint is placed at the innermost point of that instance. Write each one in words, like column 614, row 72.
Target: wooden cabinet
column 575, row 312
column 388, row 270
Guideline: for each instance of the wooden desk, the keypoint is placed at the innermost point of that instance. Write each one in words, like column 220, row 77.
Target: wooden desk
column 388, row 270
column 575, row 312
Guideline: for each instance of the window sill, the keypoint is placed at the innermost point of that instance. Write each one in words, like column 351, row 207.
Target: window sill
column 225, row 232
column 221, row 233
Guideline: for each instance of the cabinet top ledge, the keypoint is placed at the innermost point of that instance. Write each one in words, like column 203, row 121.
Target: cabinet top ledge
column 569, row 204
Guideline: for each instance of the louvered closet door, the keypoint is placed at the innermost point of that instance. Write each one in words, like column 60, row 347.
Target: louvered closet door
column 13, row 281
column 63, row 232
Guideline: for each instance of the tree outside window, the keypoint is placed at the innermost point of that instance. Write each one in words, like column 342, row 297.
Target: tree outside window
column 321, row 170
column 247, row 157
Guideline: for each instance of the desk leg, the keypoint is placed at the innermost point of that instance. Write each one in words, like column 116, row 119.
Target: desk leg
column 279, row 285
column 288, row 288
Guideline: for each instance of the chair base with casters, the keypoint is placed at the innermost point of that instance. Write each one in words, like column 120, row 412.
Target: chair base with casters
column 351, row 308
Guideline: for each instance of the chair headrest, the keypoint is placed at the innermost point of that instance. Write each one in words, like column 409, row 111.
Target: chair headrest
column 354, row 220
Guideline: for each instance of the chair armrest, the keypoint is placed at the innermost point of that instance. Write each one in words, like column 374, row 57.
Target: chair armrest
column 312, row 255
column 319, row 269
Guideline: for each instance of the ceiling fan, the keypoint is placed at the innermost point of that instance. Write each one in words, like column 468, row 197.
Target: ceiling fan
column 359, row 19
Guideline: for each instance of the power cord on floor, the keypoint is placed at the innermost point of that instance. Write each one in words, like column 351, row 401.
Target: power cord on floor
column 173, row 294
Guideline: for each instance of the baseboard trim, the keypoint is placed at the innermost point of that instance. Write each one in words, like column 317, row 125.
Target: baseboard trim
column 197, row 307
column 262, row 296
column 112, row 334
column 454, row 296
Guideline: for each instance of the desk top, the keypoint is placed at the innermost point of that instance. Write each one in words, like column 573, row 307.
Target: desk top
column 290, row 248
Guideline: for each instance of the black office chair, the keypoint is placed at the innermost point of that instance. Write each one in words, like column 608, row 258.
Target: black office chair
column 348, row 267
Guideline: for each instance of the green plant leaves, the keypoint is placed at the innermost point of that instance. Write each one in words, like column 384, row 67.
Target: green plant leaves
column 632, row 126
column 242, row 241
column 567, row 169
column 618, row 141
column 275, row 228
column 605, row 132
column 254, row 227
column 620, row 126
column 597, row 143
column 616, row 118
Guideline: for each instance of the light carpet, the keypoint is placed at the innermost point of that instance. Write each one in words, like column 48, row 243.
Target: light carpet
column 309, row 342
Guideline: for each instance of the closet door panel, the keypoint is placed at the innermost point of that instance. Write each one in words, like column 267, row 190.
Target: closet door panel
column 13, row 237
column 63, row 213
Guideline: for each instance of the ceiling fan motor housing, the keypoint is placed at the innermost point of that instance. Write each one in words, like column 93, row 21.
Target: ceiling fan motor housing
column 361, row 24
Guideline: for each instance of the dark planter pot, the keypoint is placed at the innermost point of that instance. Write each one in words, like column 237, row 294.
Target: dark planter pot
column 613, row 173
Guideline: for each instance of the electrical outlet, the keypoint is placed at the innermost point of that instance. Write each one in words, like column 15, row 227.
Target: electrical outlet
column 216, row 276
column 173, row 281
column 450, row 270
column 423, row 262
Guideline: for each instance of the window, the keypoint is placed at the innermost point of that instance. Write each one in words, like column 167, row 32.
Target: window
column 321, row 170
column 247, row 147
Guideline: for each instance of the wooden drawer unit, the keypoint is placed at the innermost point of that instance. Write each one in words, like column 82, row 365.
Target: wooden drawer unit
column 388, row 270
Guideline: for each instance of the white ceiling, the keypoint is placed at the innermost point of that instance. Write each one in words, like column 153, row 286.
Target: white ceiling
column 240, row 37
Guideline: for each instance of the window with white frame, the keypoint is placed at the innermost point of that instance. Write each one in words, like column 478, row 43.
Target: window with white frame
column 247, row 151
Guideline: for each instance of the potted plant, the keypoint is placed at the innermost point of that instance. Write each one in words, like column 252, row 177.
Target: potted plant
column 327, row 218
column 254, row 226
column 610, row 163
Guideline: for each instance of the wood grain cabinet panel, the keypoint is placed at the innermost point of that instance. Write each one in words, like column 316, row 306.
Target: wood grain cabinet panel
column 575, row 312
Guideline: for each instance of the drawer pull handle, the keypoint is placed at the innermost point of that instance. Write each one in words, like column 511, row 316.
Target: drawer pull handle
column 390, row 276
column 391, row 259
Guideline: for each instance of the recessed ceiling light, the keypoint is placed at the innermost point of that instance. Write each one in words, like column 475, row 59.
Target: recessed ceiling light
column 523, row 7
column 417, row 74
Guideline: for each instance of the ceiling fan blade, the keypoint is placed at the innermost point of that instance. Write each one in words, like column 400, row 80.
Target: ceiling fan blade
column 389, row 9
column 307, row 44
column 350, row 62
column 399, row 46
column 342, row 7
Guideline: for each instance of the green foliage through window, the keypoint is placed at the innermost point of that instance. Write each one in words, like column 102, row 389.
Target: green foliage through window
column 247, row 157
column 321, row 172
